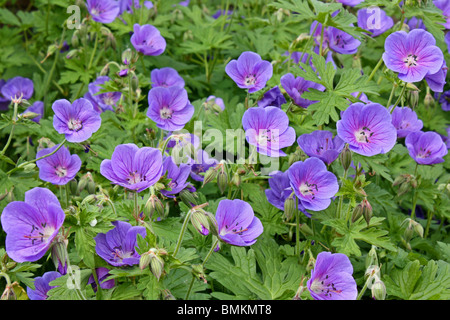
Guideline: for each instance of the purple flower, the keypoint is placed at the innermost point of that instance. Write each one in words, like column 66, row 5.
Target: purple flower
column 178, row 176
column 213, row 100
column 280, row 190
column 444, row 100
column 106, row 100
column 117, row 246
column 405, row 121
column 426, row 147
column 184, row 3
column 222, row 13
column 341, row 42
column 436, row 81
column 268, row 129
column 42, row 286
column 374, row 20
column 320, row 144
column 31, row 225
column 350, row 3
column 272, row 98
column 169, row 108
column 38, row 108
column 166, row 77
column 127, row 5
column 249, row 71
column 201, row 164
column 312, row 183
column 102, row 274
column 413, row 55
column 444, row 5
column 295, row 87
column 58, row 168
column 367, row 128
column 332, row 278
column 104, row 11
column 4, row 103
column 18, row 87
column 363, row 97
column 415, row 23
column 447, row 41
column 148, row 40
column 78, row 121
column 237, row 223
column 133, row 168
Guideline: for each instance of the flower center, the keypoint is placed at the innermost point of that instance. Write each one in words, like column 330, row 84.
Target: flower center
column 108, row 99
column 250, row 80
column 119, row 255
column 410, row 60
column 40, row 233
column 423, row 153
column 134, row 178
column 321, row 149
column 340, row 41
column 325, row 287
column 61, row 171
column 233, row 229
column 75, row 125
column 166, row 113
column 404, row 124
column 363, row 135
column 308, row 189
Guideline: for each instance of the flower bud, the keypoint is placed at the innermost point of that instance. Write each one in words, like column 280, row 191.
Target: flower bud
column 144, row 261
column 167, row 295
column 59, row 252
column 412, row 96
column 91, row 186
column 222, row 180
column 189, row 198
column 290, row 207
column 429, row 101
column 379, row 290
column 75, row 40
column 105, row 70
column 157, row 266
column 134, row 83
column 210, row 175
column 73, row 186
column 366, row 210
column 200, row 222
column 357, row 212
column 372, row 258
column 127, row 56
column 154, row 204
column 306, row 230
column 29, row 167
column 346, row 157
column 236, row 179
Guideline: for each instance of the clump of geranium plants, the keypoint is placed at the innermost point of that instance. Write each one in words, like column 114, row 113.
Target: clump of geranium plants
column 275, row 150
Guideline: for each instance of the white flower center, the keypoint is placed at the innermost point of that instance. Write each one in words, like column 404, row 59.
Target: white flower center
column 75, row 125
column 166, row 113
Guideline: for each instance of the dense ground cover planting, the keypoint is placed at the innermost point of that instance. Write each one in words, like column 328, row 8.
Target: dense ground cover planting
column 212, row 150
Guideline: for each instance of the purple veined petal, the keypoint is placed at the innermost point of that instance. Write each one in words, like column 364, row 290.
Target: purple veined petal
column 444, row 5
column 150, row 169
column 18, row 87
column 166, row 77
column 405, row 121
column 426, row 148
column 122, row 159
column 129, row 243
column 375, row 20
column 437, row 81
column 148, row 40
column 42, row 286
column 58, row 168
column 38, row 108
column 182, row 117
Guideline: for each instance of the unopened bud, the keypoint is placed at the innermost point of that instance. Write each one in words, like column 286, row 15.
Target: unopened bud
column 73, row 186
column 222, row 180
column 154, row 205
column 366, row 210
column 144, row 261
column 290, row 207
column 134, row 83
column 167, row 295
column 59, row 253
column 429, row 101
column 236, row 180
column 188, row 197
column 29, row 167
column 91, row 186
column 105, row 70
column 346, row 157
column 75, row 39
column 413, row 98
column 210, row 175
column 200, row 222
column 127, row 56
column 372, row 258
column 357, row 212
column 157, row 266
column 379, row 290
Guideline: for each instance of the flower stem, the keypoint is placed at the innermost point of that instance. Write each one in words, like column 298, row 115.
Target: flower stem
column 70, row 273
column 399, row 98
column 37, row 159
column 297, row 228
column 363, row 290
column 8, row 280
column 414, row 199
column 12, row 129
column 203, row 264
column 427, row 228
column 341, row 198
column 183, row 230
